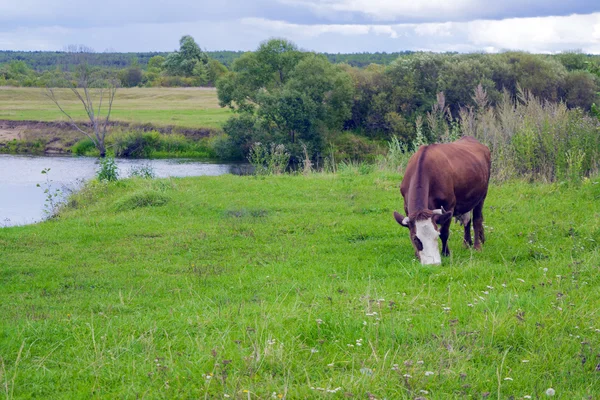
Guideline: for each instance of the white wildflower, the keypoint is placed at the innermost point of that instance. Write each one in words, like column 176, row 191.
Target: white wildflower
column 550, row 392
column 429, row 373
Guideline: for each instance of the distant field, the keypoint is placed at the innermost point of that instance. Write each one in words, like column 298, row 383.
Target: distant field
column 185, row 107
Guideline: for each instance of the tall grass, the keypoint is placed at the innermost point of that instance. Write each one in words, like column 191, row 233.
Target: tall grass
column 532, row 138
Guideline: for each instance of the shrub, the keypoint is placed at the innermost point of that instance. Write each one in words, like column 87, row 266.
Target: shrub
column 144, row 171
column 224, row 148
column 136, row 144
column 269, row 160
column 140, row 144
column 83, row 147
column 108, row 170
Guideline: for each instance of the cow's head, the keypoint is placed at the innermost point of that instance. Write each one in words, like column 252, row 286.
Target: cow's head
column 424, row 233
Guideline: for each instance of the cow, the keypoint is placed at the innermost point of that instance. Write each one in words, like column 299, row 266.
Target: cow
column 441, row 181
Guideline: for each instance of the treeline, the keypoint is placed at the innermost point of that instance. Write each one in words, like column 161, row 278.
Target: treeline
column 40, row 61
column 534, row 108
column 188, row 66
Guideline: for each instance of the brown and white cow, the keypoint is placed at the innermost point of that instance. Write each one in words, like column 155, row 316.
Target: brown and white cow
column 441, row 181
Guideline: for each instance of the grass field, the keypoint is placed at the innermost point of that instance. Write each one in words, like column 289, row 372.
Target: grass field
column 299, row 287
column 185, row 107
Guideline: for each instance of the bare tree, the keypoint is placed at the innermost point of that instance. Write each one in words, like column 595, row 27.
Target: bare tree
column 86, row 92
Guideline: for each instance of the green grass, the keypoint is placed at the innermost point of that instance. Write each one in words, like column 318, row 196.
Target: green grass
column 184, row 107
column 245, row 287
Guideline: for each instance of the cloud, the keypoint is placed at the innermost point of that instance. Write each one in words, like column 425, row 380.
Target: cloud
column 548, row 34
column 386, row 10
column 319, row 25
column 439, row 10
column 540, row 34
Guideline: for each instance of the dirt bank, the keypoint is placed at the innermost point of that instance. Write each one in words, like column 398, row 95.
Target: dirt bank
column 59, row 136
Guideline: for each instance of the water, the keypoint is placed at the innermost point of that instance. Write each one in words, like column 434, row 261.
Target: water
column 22, row 202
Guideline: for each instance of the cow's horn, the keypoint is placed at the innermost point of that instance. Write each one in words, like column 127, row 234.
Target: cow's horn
column 438, row 211
column 405, row 221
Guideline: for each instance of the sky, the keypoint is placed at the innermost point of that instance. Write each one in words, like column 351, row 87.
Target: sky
column 334, row 26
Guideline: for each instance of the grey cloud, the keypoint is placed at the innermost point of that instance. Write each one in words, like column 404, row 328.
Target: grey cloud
column 80, row 14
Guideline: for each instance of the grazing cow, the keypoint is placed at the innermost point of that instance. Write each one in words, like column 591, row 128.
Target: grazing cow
column 441, row 181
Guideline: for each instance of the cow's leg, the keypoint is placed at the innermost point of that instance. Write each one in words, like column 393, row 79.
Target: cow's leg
column 444, row 234
column 478, row 225
column 467, row 240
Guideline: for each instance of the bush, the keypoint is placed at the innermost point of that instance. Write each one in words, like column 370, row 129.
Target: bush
column 83, row 147
column 136, row 144
column 269, row 160
column 224, row 148
column 140, row 144
column 108, row 170
column 349, row 146
column 144, row 171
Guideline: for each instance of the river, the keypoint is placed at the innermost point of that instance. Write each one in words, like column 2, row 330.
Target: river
column 22, row 201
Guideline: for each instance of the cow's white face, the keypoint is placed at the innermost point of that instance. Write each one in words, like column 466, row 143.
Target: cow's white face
column 427, row 234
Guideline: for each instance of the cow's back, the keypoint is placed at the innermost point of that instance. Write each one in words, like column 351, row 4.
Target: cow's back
column 457, row 173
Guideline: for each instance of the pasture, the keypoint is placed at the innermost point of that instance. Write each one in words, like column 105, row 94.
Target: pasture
column 299, row 287
column 183, row 107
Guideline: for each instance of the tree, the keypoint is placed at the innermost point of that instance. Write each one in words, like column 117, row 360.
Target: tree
column 580, row 89
column 131, row 76
column 183, row 62
column 156, row 63
column 87, row 92
column 287, row 96
column 215, row 71
column 267, row 68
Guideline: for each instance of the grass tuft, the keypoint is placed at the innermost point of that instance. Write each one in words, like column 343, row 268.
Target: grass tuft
column 143, row 198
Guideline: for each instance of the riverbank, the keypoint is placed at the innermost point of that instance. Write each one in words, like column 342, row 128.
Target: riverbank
column 30, row 123
column 302, row 286
column 60, row 137
column 27, row 181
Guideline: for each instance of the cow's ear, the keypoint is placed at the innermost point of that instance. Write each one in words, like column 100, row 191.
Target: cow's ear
column 401, row 219
column 441, row 219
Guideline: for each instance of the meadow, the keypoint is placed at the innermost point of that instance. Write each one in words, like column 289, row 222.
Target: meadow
column 182, row 107
column 298, row 286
